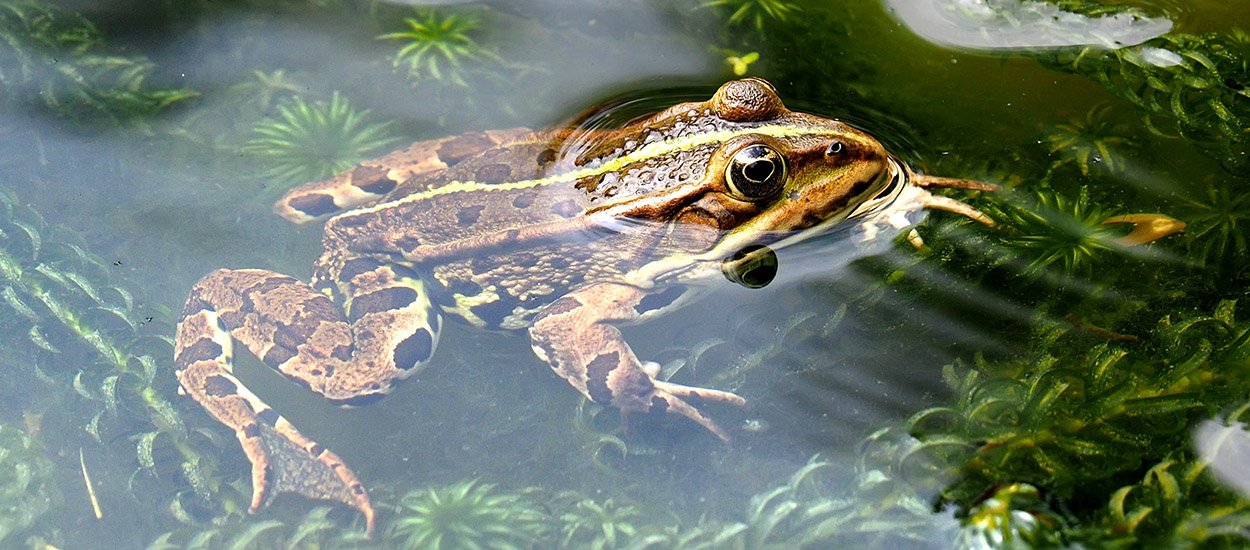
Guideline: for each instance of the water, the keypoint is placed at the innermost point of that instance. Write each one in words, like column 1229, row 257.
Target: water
column 1034, row 381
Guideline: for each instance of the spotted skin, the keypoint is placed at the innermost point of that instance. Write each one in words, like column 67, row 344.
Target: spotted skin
column 351, row 356
column 372, row 180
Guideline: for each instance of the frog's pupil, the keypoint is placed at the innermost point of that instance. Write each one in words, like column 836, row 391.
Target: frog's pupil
column 758, row 170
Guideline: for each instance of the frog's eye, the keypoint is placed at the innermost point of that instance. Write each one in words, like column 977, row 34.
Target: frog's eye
column 756, row 172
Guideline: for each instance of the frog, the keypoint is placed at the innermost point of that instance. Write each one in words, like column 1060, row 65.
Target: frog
column 567, row 234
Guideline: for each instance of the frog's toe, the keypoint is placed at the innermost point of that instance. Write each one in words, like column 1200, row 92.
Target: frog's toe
column 669, row 402
column 702, row 393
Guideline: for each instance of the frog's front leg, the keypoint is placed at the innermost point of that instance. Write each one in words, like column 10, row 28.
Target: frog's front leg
column 390, row 330
column 576, row 336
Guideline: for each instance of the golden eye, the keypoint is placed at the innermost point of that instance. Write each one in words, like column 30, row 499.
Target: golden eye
column 756, row 172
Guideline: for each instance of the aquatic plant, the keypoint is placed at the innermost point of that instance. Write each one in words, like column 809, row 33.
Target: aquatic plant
column 469, row 514
column 1186, row 85
column 80, row 336
column 27, row 491
column 1174, row 505
column 1096, row 139
column 57, row 59
column 266, row 88
column 586, row 523
column 875, row 510
column 315, row 530
column 756, row 12
column 437, row 46
column 1218, row 235
column 1079, row 412
column 1053, row 233
column 1014, row 516
column 311, row 141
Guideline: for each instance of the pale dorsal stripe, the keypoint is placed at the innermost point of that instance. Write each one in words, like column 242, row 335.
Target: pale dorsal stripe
column 650, row 150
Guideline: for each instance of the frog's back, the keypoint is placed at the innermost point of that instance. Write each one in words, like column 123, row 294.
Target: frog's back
column 511, row 186
column 376, row 180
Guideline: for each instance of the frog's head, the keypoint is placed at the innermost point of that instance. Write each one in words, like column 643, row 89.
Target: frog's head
column 780, row 175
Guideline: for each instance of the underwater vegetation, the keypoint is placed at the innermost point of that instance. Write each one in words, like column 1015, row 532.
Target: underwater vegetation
column 587, row 523
column 314, row 530
column 27, row 492
column 469, row 514
column 1093, row 140
column 57, row 60
column 312, row 141
column 77, row 333
column 1219, row 227
column 438, row 46
column 756, row 12
column 1188, row 86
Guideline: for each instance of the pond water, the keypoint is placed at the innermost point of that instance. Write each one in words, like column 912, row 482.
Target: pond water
column 1041, row 381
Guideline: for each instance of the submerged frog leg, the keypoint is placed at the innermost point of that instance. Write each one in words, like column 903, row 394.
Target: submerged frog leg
column 938, row 202
column 947, row 204
column 370, row 181
column 577, row 337
column 388, row 334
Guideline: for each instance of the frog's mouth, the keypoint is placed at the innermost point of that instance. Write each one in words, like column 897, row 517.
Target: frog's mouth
column 890, row 185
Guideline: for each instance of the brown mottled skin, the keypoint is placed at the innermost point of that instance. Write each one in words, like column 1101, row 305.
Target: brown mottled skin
column 565, row 233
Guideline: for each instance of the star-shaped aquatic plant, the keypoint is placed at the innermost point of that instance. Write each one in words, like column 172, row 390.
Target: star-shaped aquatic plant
column 266, row 88
column 1058, row 235
column 310, row 141
column 466, row 515
column 598, row 525
column 1095, row 139
column 1056, row 232
column 1219, row 227
column 756, row 12
column 437, row 46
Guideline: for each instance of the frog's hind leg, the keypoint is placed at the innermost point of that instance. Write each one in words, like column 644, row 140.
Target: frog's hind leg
column 370, row 181
column 300, row 332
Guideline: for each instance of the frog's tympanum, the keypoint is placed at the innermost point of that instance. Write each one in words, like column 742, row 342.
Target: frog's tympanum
column 563, row 233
